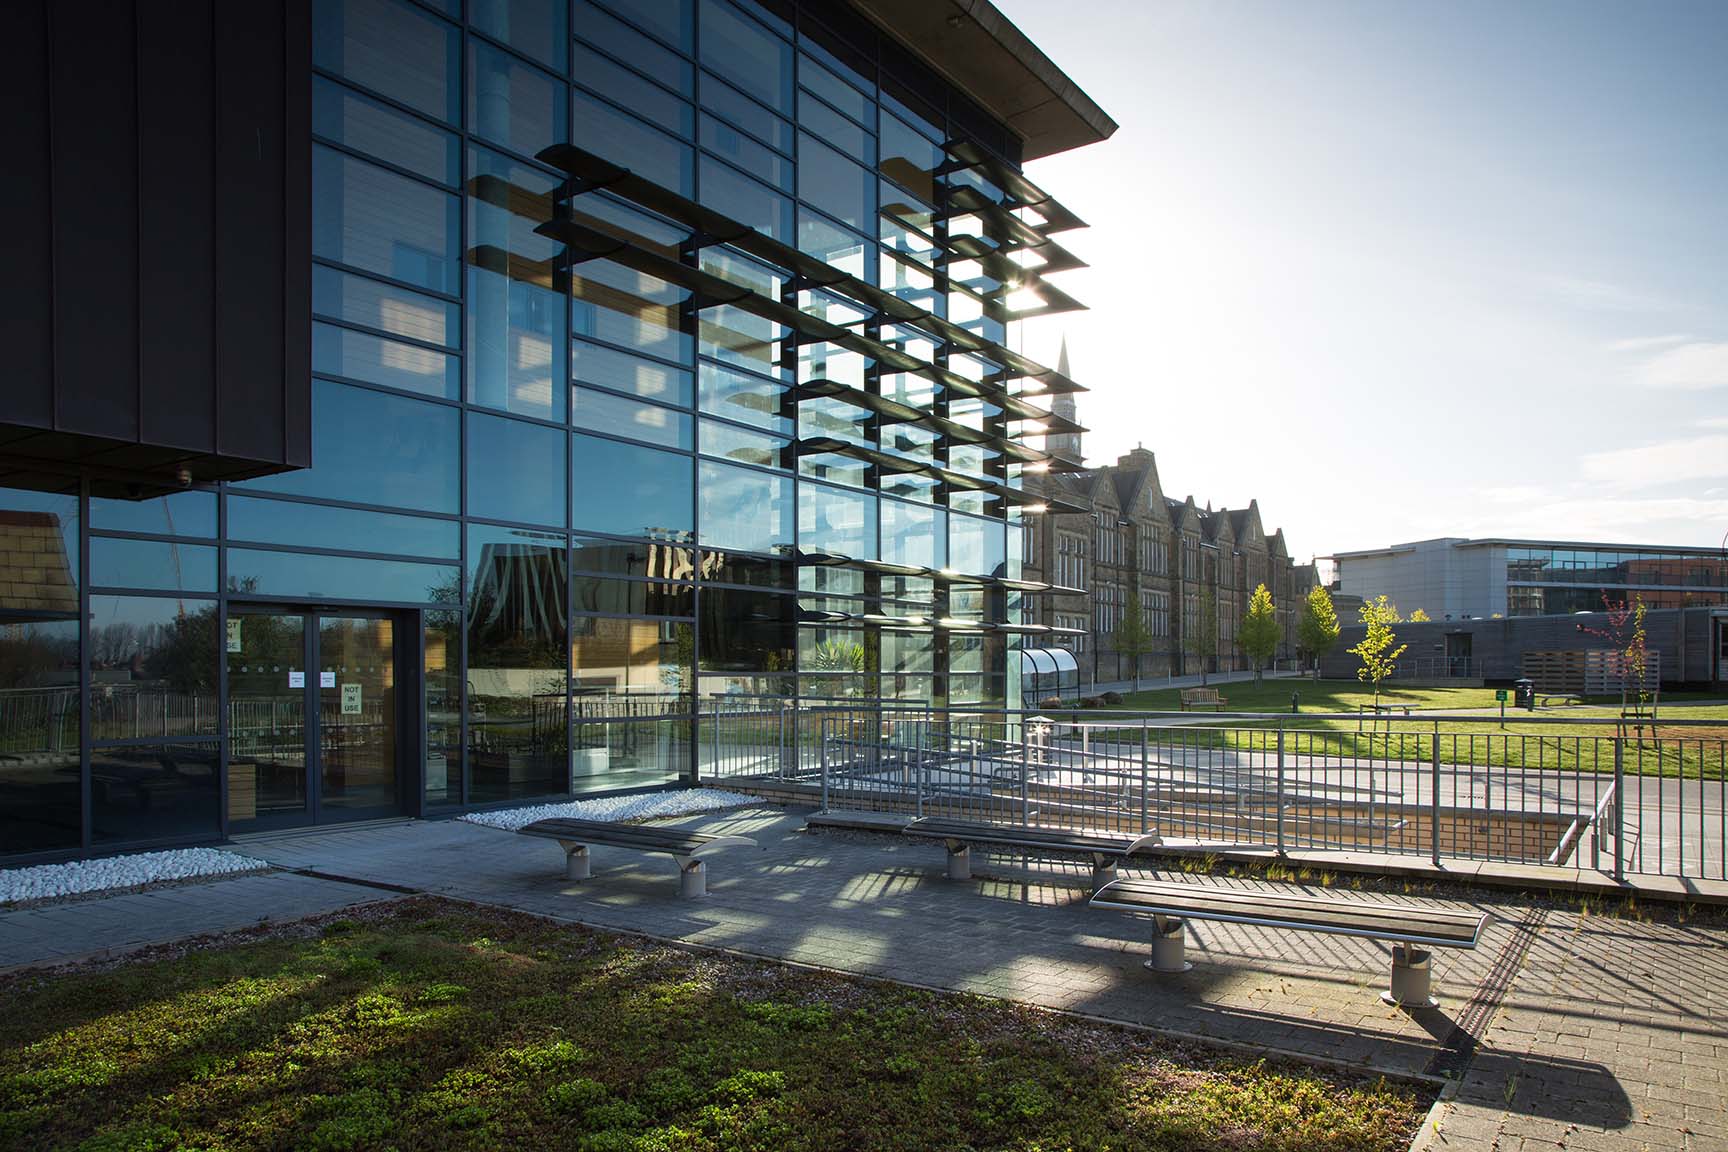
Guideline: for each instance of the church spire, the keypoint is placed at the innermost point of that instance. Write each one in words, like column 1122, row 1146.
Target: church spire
column 1065, row 444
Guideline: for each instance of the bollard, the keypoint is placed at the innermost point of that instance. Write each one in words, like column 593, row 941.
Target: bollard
column 1295, row 703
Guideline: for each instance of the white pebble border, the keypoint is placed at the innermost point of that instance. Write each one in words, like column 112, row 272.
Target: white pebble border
column 50, row 881
column 679, row 803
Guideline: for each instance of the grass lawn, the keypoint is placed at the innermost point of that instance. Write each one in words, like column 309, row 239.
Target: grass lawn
column 1315, row 695
column 425, row 1024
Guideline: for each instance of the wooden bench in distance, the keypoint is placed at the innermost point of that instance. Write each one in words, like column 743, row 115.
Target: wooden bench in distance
column 1202, row 698
column 1105, row 849
column 1410, row 930
column 683, row 845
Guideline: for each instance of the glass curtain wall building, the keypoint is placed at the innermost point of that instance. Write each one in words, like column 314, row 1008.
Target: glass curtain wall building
column 659, row 365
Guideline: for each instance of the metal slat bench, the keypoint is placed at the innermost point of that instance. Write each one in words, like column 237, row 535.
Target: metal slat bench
column 1410, row 930
column 1105, row 849
column 683, row 845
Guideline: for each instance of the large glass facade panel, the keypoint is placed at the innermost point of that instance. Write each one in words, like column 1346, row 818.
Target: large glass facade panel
column 643, row 97
column 745, row 152
column 642, row 754
column 321, row 526
column 388, row 308
column 343, row 116
column 837, row 522
column 179, row 514
column 745, row 510
column 517, row 743
column 630, row 309
column 621, row 41
column 606, row 596
column 735, row 195
column 605, row 412
column 39, row 704
column 673, row 21
column 512, row 103
column 605, row 130
column 442, row 683
column 630, row 490
column 537, row 28
column 515, row 306
column 515, row 470
column 744, row 445
column 307, row 576
column 746, row 54
column 392, row 48
column 631, row 667
column 389, row 363
column 375, row 220
column 747, row 631
column 378, row 449
column 650, row 559
column 745, row 397
column 152, row 564
column 622, row 372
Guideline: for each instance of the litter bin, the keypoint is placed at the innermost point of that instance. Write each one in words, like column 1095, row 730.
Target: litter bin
column 1524, row 694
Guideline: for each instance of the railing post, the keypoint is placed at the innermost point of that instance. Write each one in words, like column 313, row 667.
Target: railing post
column 1145, row 811
column 822, row 742
column 922, row 746
column 1280, row 787
column 1619, row 807
column 1434, row 797
column 1025, row 777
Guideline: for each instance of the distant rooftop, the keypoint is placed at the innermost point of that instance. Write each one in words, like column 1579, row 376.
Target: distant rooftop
column 1512, row 542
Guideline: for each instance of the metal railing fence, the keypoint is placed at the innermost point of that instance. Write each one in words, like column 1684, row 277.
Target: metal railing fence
column 1565, row 792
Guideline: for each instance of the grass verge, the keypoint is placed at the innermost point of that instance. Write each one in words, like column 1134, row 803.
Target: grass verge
column 426, row 1024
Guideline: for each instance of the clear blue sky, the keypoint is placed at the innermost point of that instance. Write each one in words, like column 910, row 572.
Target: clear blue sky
column 1405, row 269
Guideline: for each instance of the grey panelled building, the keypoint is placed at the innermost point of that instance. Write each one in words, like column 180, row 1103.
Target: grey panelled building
column 472, row 394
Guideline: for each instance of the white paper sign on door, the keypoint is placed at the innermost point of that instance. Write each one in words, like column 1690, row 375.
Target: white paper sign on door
column 296, row 679
column 350, row 699
column 233, row 635
column 326, row 679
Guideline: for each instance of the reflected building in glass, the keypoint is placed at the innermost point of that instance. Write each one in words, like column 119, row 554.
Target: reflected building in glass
column 576, row 368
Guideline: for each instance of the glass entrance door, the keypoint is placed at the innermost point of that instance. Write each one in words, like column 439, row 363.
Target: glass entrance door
column 312, row 718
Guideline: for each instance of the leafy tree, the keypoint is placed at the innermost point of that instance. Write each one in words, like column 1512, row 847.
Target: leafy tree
column 1631, row 652
column 1419, row 617
column 1134, row 637
column 1202, row 640
column 1379, row 658
column 1317, row 630
column 1259, row 634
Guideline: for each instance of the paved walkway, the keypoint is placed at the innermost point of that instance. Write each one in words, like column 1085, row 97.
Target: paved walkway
column 1568, row 1031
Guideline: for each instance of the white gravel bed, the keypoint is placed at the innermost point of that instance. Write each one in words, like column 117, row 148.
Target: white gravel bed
column 51, row 881
column 679, row 803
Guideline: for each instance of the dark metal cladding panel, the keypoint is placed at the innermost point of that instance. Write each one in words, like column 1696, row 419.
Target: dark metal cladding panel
column 176, row 81
column 26, row 315
column 297, row 232
column 250, row 240
column 93, row 117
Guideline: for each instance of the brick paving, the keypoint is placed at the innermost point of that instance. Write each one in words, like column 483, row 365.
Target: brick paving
column 1613, row 1033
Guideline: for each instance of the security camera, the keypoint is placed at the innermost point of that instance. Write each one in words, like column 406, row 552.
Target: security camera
column 183, row 477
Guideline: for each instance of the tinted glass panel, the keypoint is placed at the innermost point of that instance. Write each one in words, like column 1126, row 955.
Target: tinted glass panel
column 145, row 792
column 674, row 21
column 831, row 182
column 512, row 103
column 836, row 91
column 747, row 631
column 392, row 48
column 756, row 571
column 631, row 667
column 745, row 113
column 746, row 54
column 744, row 509
column 39, row 771
column 605, row 131
column 837, row 131
column 320, row 526
column 377, row 449
column 604, row 412
column 391, row 363
column 605, row 31
column 152, row 564
column 914, row 534
column 181, row 514
column 443, row 686
column 622, row 372
column 309, row 577
column 516, row 657
column 976, row 546
column 631, row 597
column 742, row 338
column 515, row 470
column 344, row 116
column 744, row 397
column 650, row 558
column 720, row 137
column 743, row 445
column 630, row 490
column 536, row 28
column 621, row 306
column 381, row 222
column 154, row 659
column 643, row 97
column 830, row 520
column 375, row 304
column 629, row 755
column 515, row 313
column 735, row 195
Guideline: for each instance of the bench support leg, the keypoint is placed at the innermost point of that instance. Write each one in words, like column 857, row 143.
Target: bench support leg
column 692, row 878
column 1169, row 950
column 576, row 861
column 959, row 862
column 1103, row 871
column 1412, row 978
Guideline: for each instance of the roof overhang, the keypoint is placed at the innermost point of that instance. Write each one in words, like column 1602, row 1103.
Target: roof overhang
column 980, row 51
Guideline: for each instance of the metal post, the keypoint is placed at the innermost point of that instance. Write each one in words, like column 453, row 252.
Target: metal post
column 1025, row 777
column 822, row 739
column 1434, row 797
column 1145, row 812
column 922, row 745
column 1619, row 807
column 1280, row 787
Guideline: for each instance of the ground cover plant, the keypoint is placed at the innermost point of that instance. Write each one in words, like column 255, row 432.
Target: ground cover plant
column 427, row 1024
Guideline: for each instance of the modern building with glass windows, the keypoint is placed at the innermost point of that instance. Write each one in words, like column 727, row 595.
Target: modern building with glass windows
column 1457, row 579
column 423, row 404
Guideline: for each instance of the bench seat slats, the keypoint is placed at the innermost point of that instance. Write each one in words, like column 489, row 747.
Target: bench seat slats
column 678, row 841
column 1029, row 837
column 1436, row 926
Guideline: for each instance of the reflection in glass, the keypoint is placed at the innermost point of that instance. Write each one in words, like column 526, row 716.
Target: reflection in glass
column 254, row 572
column 443, row 686
column 743, row 445
column 392, row 48
column 745, row 397
column 322, row 526
column 746, row 54
column 747, row 631
column 536, row 28
column 375, row 304
column 38, row 719
column 604, row 412
column 654, row 559
column 512, row 103
column 914, row 534
column 631, row 667
column 154, row 791
column 630, row 490
column 602, row 129
column 837, row 522
column 735, row 195
column 515, row 470
column 631, row 597
column 515, row 309
column 388, row 363
column 152, row 564
column 356, row 715
column 629, row 308
column 266, row 715
column 178, row 514
column 152, row 668
column 344, row 116
column 516, row 659
column 622, row 372
column 372, row 219
column 629, row 755
column 744, row 509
